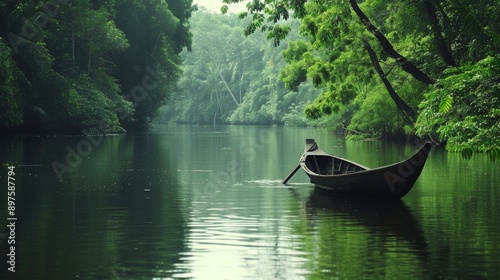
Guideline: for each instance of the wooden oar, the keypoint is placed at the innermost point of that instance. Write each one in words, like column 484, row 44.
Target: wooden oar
column 311, row 148
column 291, row 174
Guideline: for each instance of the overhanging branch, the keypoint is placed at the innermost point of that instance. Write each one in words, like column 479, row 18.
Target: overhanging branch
column 408, row 113
column 406, row 65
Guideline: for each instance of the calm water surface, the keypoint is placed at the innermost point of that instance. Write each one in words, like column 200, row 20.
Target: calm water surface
column 194, row 202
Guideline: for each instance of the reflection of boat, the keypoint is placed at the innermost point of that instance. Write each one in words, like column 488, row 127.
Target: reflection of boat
column 381, row 217
column 340, row 176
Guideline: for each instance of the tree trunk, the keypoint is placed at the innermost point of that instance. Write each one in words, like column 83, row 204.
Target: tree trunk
column 228, row 89
column 442, row 46
column 408, row 113
column 405, row 64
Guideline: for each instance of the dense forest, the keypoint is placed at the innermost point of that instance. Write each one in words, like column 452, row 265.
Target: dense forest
column 88, row 64
column 398, row 69
column 232, row 78
column 368, row 69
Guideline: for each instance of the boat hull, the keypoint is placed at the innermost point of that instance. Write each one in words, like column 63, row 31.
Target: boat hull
column 393, row 181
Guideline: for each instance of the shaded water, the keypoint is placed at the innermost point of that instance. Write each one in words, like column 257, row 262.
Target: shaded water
column 191, row 202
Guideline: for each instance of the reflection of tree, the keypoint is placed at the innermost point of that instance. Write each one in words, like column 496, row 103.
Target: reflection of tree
column 154, row 226
column 98, row 222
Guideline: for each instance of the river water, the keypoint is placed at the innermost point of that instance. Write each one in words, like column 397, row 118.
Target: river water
column 203, row 202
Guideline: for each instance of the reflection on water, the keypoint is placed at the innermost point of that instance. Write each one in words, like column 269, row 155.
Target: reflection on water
column 386, row 218
column 189, row 202
column 380, row 237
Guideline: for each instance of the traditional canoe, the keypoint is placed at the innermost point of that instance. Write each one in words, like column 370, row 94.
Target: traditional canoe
column 340, row 176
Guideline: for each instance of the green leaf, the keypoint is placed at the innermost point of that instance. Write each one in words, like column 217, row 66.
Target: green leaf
column 446, row 104
column 224, row 9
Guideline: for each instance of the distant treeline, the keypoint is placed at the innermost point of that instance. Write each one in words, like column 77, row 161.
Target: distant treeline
column 72, row 65
column 232, row 78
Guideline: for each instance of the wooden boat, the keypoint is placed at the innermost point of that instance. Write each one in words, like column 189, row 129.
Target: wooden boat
column 340, row 176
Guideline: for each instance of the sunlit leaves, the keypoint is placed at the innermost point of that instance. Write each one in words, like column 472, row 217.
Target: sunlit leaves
column 299, row 60
column 327, row 25
column 294, row 74
column 278, row 33
column 463, row 108
column 224, row 9
column 277, row 13
column 377, row 116
column 295, row 51
column 445, row 104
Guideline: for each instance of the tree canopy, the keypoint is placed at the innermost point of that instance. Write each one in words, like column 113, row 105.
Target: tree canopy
column 389, row 68
column 372, row 68
column 70, row 65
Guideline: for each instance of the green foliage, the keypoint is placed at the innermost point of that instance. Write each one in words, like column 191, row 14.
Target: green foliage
column 471, row 122
column 377, row 116
column 88, row 63
column 12, row 97
column 338, row 65
column 298, row 60
column 461, row 108
column 475, row 28
column 446, row 104
column 85, row 65
column 278, row 34
column 295, row 116
column 51, row 104
column 214, row 73
column 232, row 78
column 156, row 35
column 95, row 110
